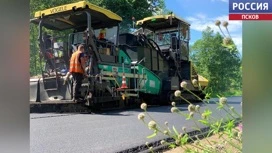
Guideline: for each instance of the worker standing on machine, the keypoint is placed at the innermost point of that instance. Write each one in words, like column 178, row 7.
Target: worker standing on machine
column 84, row 41
column 77, row 69
column 102, row 34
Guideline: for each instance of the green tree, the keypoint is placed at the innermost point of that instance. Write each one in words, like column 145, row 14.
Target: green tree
column 220, row 64
column 128, row 9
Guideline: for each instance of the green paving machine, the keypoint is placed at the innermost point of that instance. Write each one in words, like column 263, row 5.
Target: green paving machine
column 126, row 69
column 163, row 42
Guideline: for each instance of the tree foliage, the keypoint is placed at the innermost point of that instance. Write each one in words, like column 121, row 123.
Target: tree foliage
column 221, row 65
column 128, row 9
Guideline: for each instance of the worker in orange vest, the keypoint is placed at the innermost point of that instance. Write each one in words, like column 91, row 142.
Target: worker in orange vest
column 77, row 69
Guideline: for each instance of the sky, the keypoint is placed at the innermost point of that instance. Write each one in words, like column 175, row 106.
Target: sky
column 203, row 13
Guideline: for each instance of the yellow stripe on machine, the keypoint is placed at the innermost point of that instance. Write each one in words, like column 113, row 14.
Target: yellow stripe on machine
column 203, row 81
column 81, row 4
column 166, row 17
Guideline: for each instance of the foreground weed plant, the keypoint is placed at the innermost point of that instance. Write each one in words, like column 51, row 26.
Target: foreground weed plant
column 229, row 135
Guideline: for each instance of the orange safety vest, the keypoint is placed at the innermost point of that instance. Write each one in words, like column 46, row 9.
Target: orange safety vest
column 75, row 65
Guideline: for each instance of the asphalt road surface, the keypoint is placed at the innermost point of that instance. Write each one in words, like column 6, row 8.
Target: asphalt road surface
column 107, row 132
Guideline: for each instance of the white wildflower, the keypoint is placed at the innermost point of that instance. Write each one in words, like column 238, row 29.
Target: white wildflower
column 163, row 142
column 183, row 84
column 191, row 108
column 177, row 93
column 141, row 116
column 223, row 100
column 174, row 109
column 194, row 82
column 165, row 132
column 143, row 106
column 152, row 125
column 217, row 22
column 225, row 23
column 197, row 107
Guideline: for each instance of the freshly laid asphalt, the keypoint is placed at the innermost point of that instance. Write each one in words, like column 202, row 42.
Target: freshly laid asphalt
column 108, row 132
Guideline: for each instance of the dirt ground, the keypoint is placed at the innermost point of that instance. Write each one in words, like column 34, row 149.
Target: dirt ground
column 212, row 140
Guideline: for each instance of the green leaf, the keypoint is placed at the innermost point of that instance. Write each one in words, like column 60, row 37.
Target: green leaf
column 230, row 125
column 175, row 130
column 172, row 146
column 207, row 112
column 188, row 118
column 184, row 139
column 205, row 122
column 152, row 135
column 208, row 96
column 211, row 131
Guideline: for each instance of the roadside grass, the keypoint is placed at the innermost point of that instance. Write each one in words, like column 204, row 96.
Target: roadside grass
column 217, row 142
column 223, row 134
